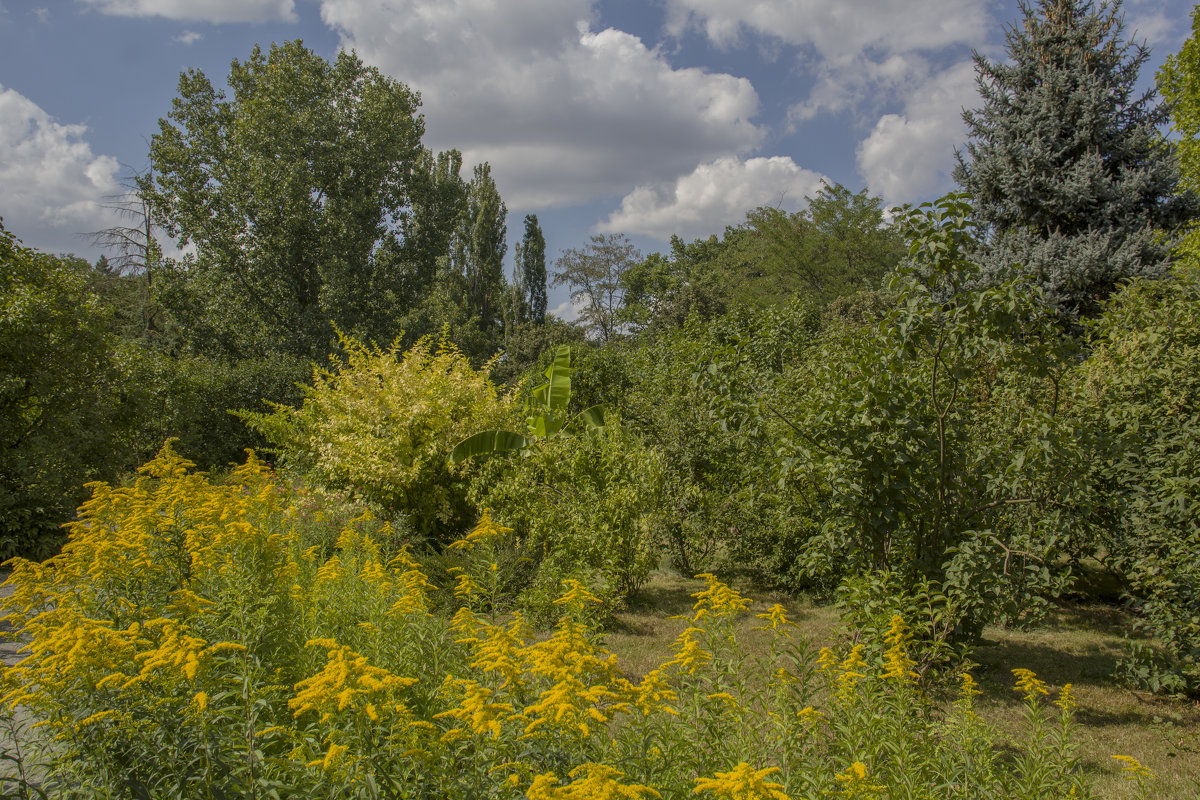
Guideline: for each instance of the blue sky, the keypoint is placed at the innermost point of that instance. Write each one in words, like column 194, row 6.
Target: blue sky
column 646, row 117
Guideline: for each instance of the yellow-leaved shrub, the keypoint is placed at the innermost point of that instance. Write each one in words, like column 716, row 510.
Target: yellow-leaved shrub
column 382, row 422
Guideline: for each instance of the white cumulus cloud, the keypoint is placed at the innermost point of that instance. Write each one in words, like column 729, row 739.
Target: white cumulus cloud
column 200, row 10
column 910, row 156
column 713, row 195
column 564, row 113
column 861, row 52
column 54, row 185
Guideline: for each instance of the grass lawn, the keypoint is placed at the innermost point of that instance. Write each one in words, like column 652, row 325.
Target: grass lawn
column 1079, row 644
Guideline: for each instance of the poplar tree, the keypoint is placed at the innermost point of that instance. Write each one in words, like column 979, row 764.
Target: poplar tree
column 531, row 269
column 1069, row 174
column 480, row 247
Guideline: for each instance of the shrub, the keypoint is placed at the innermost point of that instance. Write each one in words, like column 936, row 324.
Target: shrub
column 1140, row 408
column 382, row 424
column 59, row 396
column 158, row 667
column 585, row 507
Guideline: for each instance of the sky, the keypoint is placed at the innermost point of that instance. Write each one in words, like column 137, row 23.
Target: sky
column 642, row 117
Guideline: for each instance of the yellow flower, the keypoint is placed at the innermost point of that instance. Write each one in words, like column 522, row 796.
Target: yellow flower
column 718, row 599
column 335, row 753
column 484, row 530
column 200, row 700
column 590, row 782
column 854, row 782
column 346, row 682
column 742, row 782
column 776, row 616
column 474, row 707
column 1028, row 683
column 689, row 653
column 969, row 688
column 1066, row 700
column 1133, row 768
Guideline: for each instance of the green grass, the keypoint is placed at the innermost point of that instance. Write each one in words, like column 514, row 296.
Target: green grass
column 1078, row 644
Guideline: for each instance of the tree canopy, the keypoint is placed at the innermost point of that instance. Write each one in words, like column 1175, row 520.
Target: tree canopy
column 303, row 191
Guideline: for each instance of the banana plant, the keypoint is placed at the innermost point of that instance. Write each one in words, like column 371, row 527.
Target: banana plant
column 545, row 416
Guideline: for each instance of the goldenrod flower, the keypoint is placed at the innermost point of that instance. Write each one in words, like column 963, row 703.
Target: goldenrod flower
column 1133, row 768
column 484, row 530
column 1066, row 700
column 590, row 782
column 689, row 653
column 200, row 700
column 776, row 616
column 968, row 688
column 475, row 707
column 347, row 681
column 743, row 782
column 854, row 782
column 718, row 599
column 1028, row 683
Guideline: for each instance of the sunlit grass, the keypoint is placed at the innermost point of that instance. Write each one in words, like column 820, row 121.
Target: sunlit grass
column 1079, row 644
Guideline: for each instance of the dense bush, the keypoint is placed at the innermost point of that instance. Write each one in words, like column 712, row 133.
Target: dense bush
column 60, row 402
column 930, row 444
column 158, row 668
column 585, row 506
column 382, row 424
column 1140, row 408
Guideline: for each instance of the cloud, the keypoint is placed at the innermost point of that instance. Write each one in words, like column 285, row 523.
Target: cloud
column 836, row 31
column 564, row 113
column 910, row 156
column 188, row 37
column 566, row 311
column 200, row 10
column 54, row 184
column 713, row 195
column 861, row 52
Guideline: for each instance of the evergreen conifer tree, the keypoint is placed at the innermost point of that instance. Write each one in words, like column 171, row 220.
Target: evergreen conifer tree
column 1069, row 174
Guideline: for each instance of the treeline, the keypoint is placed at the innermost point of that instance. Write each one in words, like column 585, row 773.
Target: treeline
column 951, row 415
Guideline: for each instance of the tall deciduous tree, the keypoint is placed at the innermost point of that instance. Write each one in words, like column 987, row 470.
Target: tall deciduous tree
column 480, row 245
column 288, row 188
column 1069, row 173
column 531, row 269
column 1179, row 81
column 594, row 274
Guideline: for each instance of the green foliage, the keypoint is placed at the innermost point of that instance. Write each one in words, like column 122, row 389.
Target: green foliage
column 1179, row 82
column 545, row 415
column 382, row 423
column 838, row 245
column 531, row 269
column 61, row 407
column 478, row 248
column 300, row 191
column 1067, row 168
column 1140, row 405
column 930, row 444
column 585, row 507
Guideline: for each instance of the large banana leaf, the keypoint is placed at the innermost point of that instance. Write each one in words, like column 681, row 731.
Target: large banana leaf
column 550, row 398
column 592, row 418
column 488, row 443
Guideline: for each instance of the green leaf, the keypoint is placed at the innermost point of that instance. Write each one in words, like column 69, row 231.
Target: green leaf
column 488, row 443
